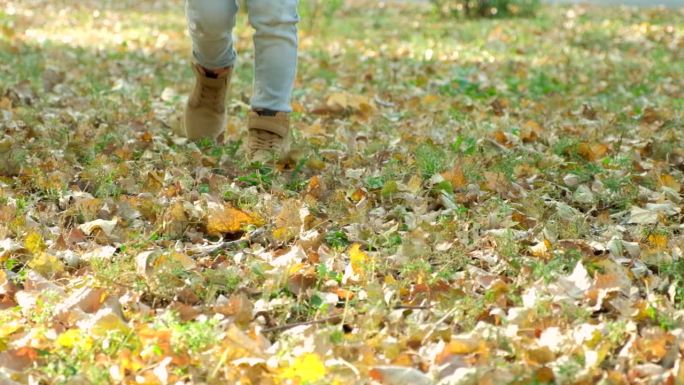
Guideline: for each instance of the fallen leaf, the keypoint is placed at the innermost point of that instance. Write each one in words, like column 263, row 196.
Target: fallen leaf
column 358, row 259
column 592, row 151
column 226, row 220
column 399, row 375
column 306, row 368
column 107, row 227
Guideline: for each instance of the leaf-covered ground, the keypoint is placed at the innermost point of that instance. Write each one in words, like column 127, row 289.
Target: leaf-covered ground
column 472, row 202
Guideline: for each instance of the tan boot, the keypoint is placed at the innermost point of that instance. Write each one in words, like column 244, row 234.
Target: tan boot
column 268, row 137
column 205, row 112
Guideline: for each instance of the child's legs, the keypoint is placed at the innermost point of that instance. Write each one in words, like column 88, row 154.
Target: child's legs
column 211, row 24
column 275, row 45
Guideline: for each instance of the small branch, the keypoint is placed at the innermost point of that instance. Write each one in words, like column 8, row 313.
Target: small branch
column 203, row 251
column 412, row 307
column 334, row 318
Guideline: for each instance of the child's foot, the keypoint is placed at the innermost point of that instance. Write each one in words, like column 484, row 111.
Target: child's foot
column 268, row 137
column 205, row 112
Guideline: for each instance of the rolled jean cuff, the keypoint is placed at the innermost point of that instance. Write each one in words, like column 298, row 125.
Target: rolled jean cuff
column 229, row 59
column 273, row 106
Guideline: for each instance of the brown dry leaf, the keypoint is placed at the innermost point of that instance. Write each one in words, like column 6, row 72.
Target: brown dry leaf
column 495, row 181
column 343, row 102
column 313, row 130
column 540, row 355
column 238, row 306
column 87, row 299
column 316, row 188
column 530, row 131
column 288, row 223
column 228, row 220
column 301, row 277
column 588, row 112
column 455, row 177
column 500, row 137
column 185, row 312
column 5, row 103
column 544, row 375
column 18, row 359
column 651, row 115
column 175, row 221
column 593, row 151
column 654, row 345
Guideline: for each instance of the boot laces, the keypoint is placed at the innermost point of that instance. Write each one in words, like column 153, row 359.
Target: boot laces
column 264, row 140
column 212, row 97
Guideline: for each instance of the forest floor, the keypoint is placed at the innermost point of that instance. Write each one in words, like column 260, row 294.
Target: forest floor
column 471, row 202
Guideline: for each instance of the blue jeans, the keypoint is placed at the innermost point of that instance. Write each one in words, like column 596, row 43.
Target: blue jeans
column 211, row 24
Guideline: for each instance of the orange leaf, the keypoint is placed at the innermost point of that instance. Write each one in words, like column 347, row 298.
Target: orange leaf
column 668, row 180
column 460, row 346
column 658, row 241
column 530, row 131
column 344, row 295
column 229, row 220
column 592, row 152
column 456, row 177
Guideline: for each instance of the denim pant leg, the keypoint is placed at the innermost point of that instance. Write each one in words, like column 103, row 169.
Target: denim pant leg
column 275, row 46
column 211, row 24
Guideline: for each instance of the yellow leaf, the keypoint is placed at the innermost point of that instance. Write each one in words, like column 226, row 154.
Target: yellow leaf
column 296, row 268
column 69, row 338
column 541, row 249
column 105, row 322
column 46, row 264
column 173, row 260
column 431, row 99
column 415, row 183
column 462, row 346
column 34, row 243
column 670, row 181
column 389, row 280
column 358, row 258
column 282, row 234
column 9, row 328
column 658, row 241
column 229, row 220
column 298, row 107
column 307, row 368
